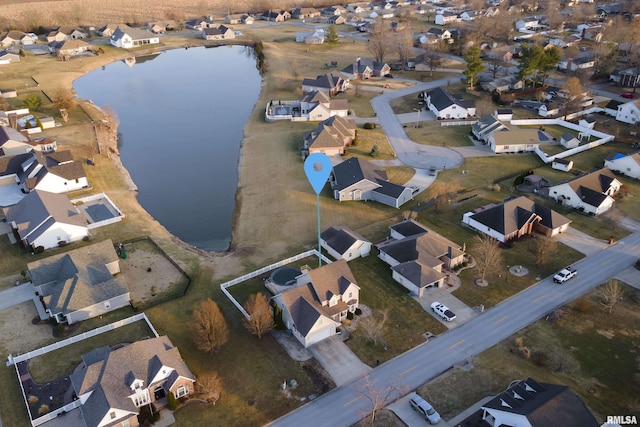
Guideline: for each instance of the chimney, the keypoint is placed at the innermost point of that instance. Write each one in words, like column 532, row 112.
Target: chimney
column 450, row 252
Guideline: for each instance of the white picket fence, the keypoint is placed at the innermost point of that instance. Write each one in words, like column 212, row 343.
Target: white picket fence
column 224, row 286
column 458, row 123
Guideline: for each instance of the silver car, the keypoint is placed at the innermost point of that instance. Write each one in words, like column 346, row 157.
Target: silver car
column 423, row 407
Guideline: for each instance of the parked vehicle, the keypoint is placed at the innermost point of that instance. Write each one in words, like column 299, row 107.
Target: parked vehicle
column 443, row 311
column 423, row 407
column 564, row 275
column 628, row 95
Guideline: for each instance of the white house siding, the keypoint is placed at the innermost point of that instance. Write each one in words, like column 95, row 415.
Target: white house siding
column 59, row 232
column 319, row 113
column 328, row 151
column 98, row 309
column 332, row 252
column 572, row 200
column 391, row 201
column 388, row 259
column 407, row 284
column 452, row 112
column 628, row 113
column 14, row 148
column 624, row 165
column 467, row 219
column 360, row 191
column 506, row 418
column 56, row 184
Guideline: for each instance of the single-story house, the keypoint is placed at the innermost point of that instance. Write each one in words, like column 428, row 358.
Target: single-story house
column 8, row 57
column 312, row 106
column 486, row 126
column 81, row 283
column 197, row 24
column 587, row 122
column 626, row 164
column 591, row 193
column 446, row 17
column 330, row 137
column 343, row 243
column 514, row 218
column 108, row 29
column 530, row 403
column 628, row 78
column 218, row 33
column 517, row 140
column 239, row 19
column 113, row 384
column 305, row 13
column 54, row 172
column 46, row 220
column 531, row 23
column 417, row 260
column 611, row 109
column 440, row 33
column 336, row 20
column 567, row 140
column 12, row 142
column 445, row 105
column 160, row 27
column 69, row 48
column 562, row 164
column 500, row 84
column 275, row 15
column 471, row 15
column 363, row 69
column 315, row 37
column 15, row 38
column 321, row 298
column 575, row 64
column 332, row 83
column 629, row 112
column 126, row 37
column 505, row 114
column 358, row 179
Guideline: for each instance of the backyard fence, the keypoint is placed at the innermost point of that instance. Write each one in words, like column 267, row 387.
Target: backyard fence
column 256, row 273
column 458, row 123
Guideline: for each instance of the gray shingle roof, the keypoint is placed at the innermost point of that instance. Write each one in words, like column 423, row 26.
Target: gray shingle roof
column 340, row 239
column 418, row 274
column 10, row 134
column 325, row 81
column 134, row 33
column 442, row 99
column 77, row 279
column 354, row 170
column 409, row 228
column 59, row 163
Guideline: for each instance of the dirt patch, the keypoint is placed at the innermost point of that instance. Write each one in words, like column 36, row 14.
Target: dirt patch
column 148, row 271
column 19, row 334
column 321, row 378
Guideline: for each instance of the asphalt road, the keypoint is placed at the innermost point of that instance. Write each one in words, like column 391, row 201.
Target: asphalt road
column 348, row 404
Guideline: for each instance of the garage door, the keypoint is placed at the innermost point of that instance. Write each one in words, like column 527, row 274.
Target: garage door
column 320, row 335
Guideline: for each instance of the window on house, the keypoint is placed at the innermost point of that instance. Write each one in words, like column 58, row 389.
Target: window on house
column 141, row 399
column 125, row 423
column 182, row 391
column 350, row 294
column 107, row 305
column 112, row 414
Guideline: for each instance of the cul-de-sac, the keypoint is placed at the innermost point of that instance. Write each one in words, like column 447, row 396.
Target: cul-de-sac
column 388, row 213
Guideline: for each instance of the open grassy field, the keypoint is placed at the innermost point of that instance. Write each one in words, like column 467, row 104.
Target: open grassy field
column 586, row 348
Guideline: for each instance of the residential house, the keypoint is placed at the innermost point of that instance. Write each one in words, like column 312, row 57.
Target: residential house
column 113, row 384
column 628, row 78
column 363, row 69
column 564, row 41
column 591, row 193
column 312, row 106
column 360, row 7
column 81, row 283
column 239, row 19
column 321, row 298
column 65, row 33
column 343, row 243
column 126, row 37
column 531, row 23
column 358, row 179
column 611, row 109
column 315, row 37
column 418, row 257
column 426, row 39
column 587, row 122
column 562, row 164
column 16, row 38
column 69, row 48
column 471, row 15
column 13, row 142
column 567, row 140
column 336, row 20
column 197, row 24
column 333, row 11
column 330, row 137
column 46, row 220
column 161, row 27
column 514, row 218
column 275, row 16
column 486, row 126
column 505, row 114
column 445, row 105
column 446, row 17
column 503, row 84
column 441, row 34
column 529, row 403
column 108, row 29
column 629, row 112
column 577, row 64
column 518, row 141
column 8, row 57
column 218, row 33
column 305, row 13
column 626, row 164
column 54, row 172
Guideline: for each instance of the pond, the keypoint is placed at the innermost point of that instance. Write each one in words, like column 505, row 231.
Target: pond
column 181, row 116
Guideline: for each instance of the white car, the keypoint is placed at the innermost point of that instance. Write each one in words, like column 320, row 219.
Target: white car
column 443, row 311
column 565, row 274
column 423, row 407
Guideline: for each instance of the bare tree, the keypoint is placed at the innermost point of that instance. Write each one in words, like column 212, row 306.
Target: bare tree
column 64, row 98
column 209, row 387
column 378, row 396
column 610, row 293
column 372, row 326
column 438, row 192
column 487, row 254
column 433, row 57
column 575, row 95
column 210, row 330
column 404, row 44
column 261, row 317
column 379, row 43
column 545, row 247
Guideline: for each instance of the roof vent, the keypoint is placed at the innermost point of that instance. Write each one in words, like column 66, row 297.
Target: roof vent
column 505, row 404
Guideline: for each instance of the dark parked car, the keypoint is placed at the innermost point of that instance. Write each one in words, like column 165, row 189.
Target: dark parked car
column 389, row 76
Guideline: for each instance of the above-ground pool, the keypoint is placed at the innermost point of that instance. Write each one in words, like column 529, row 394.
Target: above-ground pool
column 285, row 276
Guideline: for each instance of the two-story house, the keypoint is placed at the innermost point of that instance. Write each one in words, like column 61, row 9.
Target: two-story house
column 591, row 193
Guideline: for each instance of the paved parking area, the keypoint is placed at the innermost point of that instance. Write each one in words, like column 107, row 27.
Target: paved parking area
column 410, row 417
column 338, row 360
column 443, row 295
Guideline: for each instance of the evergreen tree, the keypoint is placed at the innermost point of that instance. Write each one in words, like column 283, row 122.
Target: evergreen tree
column 474, row 66
column 333, row 38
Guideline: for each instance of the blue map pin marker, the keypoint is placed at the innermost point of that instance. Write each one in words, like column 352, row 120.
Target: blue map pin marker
column 317, row 167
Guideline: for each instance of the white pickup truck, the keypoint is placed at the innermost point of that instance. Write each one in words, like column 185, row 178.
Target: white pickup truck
column 564, row 275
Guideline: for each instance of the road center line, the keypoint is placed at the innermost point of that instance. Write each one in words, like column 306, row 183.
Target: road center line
column 456, row 344
column 539, row 298
column 408, row 370
column 499, row 320
column 353, row 400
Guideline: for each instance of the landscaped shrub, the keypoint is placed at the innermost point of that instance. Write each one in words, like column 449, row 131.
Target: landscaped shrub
column 582, row 305
column 540, row 358
column 369, row 125
column 358, row 312
column 172, row 403
column 350, row 315
column 32, row 400
column 43, row 409
column 148, row 414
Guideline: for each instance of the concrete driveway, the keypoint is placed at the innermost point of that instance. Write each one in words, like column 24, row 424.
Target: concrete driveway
column 410, row 417
column 17, row 295
column 463, row 312
column 581, row 242
column 338, row 360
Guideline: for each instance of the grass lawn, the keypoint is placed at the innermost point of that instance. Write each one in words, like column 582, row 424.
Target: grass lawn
column 586, row 349
column 366, row 140
column 62, row 362
column 432, row 133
